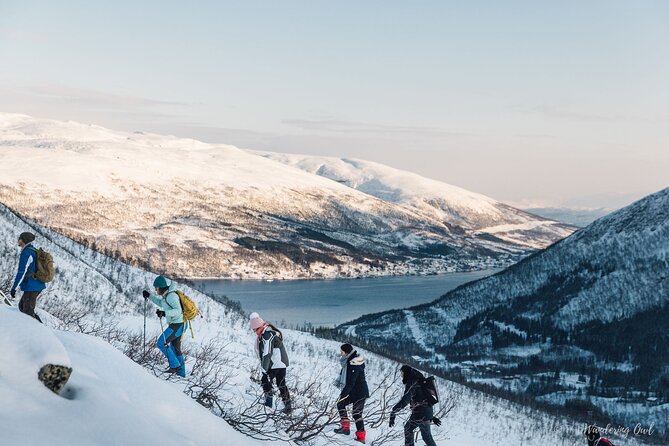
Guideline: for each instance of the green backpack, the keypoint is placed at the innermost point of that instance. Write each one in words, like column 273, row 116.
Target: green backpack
column 44, row 269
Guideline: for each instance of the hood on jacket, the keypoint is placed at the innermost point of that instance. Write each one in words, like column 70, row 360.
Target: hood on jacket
column 356, row 359
column 409, row 374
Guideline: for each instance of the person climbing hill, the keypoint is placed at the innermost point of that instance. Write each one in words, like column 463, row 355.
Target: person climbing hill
column 354, row 390
column 25, row 277
column 167, row 299
column 422, row 413
column 273, row 360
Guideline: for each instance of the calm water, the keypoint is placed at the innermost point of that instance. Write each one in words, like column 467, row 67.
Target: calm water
column 331, row 302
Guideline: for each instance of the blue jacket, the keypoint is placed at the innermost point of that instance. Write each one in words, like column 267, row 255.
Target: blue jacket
column 170, row 304
column 27, row 266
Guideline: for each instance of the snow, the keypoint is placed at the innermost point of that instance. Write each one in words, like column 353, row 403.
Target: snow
column 416, row 332
column 434, row 198
column 30, row 345
column 511, row 328
column 143, row 158
column 386, row 182
column 108, row 400
column 138, row 193
column 105, row 383
column 520, row 352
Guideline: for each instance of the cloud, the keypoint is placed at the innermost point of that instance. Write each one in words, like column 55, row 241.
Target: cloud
column 79, row 103
column 93, row 98
column 344, row 126
column 113, row 110
column 555, row 112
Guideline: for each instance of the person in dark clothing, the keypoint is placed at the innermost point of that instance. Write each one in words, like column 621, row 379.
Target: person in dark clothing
column 273, row 360
column 594, row 438
column 25, row 279
column 421, row 411
column 354, row 391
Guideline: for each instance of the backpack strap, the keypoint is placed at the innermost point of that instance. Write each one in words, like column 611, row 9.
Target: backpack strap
column 168, row 302
column 33, row 249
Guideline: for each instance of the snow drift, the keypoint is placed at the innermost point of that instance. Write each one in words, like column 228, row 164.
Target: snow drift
column 109, row 399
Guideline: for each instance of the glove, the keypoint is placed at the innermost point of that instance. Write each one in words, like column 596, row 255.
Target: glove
column 436, row 421
column 392, row 421
column 160, row 313
column 12, row 293
column 146, row 294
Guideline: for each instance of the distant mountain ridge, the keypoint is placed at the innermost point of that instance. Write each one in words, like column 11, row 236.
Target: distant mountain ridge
column 592, row 269
column 576, row 217
column 461, row 209
column 595, row 304
column 192, row 209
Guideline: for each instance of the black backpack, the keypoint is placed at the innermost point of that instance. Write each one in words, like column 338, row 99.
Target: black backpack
column 429, row 386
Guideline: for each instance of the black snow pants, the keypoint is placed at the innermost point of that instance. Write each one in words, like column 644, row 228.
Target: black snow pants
column 278, row 375
column 358, row 407
column 421, row 418
column 28, row 302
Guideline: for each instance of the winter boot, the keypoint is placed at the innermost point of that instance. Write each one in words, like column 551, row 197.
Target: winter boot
column 182, row 369
column 345, row 428
column 173, row 370
column 287, row 407
column 269, row 400
column 360, row 436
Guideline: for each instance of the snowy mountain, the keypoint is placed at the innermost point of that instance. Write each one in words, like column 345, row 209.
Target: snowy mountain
column 192, row 209
column 96, row 294
column 594, row 305
column 463, row 211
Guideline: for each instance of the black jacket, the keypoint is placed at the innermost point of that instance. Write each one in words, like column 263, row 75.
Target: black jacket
column 414, row 394
column 355, row 387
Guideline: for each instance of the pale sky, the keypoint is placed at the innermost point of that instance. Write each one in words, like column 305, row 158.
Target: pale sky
column 531, row 102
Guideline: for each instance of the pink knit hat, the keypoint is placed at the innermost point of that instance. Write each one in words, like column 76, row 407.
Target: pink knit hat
column 255, row 321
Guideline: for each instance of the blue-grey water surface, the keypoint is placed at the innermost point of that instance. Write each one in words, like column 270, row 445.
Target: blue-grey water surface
column 331, row 302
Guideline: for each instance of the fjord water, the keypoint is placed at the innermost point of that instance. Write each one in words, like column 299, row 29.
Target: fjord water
column 331, row 302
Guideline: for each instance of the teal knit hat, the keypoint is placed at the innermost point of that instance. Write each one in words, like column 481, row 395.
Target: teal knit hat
column 160, row 282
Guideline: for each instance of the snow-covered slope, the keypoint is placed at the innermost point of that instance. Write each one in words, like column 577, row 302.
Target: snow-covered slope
column 616, row 266
column 109, row 400
column 461, row 209
column 108, row 289
column 594, row 303
column 200, row 210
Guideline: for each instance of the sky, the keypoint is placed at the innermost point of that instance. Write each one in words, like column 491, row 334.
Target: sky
column 533, row 103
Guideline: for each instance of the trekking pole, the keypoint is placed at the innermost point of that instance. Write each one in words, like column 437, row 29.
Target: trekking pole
column 162, row 332
column 7, row 301
column 144, row 338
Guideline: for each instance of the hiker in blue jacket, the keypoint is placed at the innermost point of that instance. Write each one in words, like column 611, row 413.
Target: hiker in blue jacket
column 30, row 286
column 170, row 308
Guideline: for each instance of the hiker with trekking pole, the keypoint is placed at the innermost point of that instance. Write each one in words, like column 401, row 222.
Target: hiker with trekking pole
column 354, row 391
column 169, row 307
